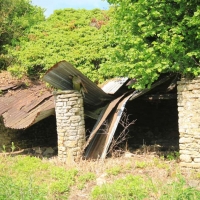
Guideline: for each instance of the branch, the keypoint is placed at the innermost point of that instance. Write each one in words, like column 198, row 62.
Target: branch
column 123, row 135
column 196, row 63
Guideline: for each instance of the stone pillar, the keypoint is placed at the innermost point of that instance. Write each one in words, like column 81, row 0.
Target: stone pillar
column 189, row 122
column 70, row 124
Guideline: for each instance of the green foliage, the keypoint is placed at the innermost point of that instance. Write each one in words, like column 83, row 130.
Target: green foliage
column 155, row 37
column 82, row 179
column 130, row 187
column 10, row 189
column 136, row 187
column 141, row 164
column 173, row 155
column 13, row 147
column 25, row 177
column 16, row 19
column 4, row 148
column 114, row 170
column 81, row 37
column 178, row 190
column 159, row 163
column 137, row 39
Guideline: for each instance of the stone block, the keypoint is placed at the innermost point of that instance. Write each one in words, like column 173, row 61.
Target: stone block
column 59, row 104
column 74, row 124
column 194, row 153
column 74, row 110
column 180, row 109
column 184, row 152
column 71, row 103
column 194, row 125
column 62, row 148
column 60, row 134
column 73, row 98
column 185, row 140
column 71, row 144
column 190, row 165
column 72, row 132
column 82, row 122
column 197, row 160
column 185, row 158
column 77, row 106
column 75, row 119
column 72, row 138
column 81, row 131
column 80, row 101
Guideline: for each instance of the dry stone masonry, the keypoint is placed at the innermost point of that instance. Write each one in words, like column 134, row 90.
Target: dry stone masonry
column 70, row 124
column 189, row 122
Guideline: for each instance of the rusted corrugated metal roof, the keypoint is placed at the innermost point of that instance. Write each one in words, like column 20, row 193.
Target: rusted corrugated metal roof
column 25, row 106
column 59, row 77
column 113, row 85
column 98, row 143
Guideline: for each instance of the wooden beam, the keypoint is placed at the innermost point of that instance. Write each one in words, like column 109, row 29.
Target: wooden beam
column 136, row 94
column 159, row 96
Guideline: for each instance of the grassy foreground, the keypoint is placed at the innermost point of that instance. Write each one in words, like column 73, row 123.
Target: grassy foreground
column 147, row 177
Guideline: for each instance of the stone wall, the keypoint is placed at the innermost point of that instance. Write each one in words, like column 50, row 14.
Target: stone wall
column 189, row 122
column 70, row 124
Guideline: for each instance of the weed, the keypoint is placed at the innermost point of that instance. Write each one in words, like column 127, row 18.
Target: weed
column 114, row 170
column 128, row 166
column 24, row 174
column 62, row 181
column 130, row 187
column 4, row 148
column 160, row 163
column 141, row 164
column 136, row 187
column 13, row 147
column 173, row 155
column 178, row 190
column 14, row 189
column 82, row 179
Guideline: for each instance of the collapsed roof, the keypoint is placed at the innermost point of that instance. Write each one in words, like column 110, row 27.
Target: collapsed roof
column 22, row 106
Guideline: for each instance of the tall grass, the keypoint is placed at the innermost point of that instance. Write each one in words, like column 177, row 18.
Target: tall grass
column 25, row 177
column 140, row 188
column 146, row 178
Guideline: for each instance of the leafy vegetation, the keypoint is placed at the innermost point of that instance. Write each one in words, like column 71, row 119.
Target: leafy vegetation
column 17, row 17
column 138, row 39
column 84, row 178
column 25, row 177
column 114, row 170
column 30, row 178
column 136, row 187
column 79, row 36
column 130, row 187
column 155, row 37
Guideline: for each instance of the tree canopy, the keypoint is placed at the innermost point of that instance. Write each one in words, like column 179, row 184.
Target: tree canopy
column 155, row 37
column 16, row 19
column 138, row 39
column 81, row 37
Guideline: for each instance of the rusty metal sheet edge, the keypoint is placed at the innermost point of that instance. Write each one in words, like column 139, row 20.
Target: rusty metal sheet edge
column 115, row 121
column 102, row 118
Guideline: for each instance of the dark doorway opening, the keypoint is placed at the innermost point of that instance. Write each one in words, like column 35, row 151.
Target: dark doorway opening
column 155, row 128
